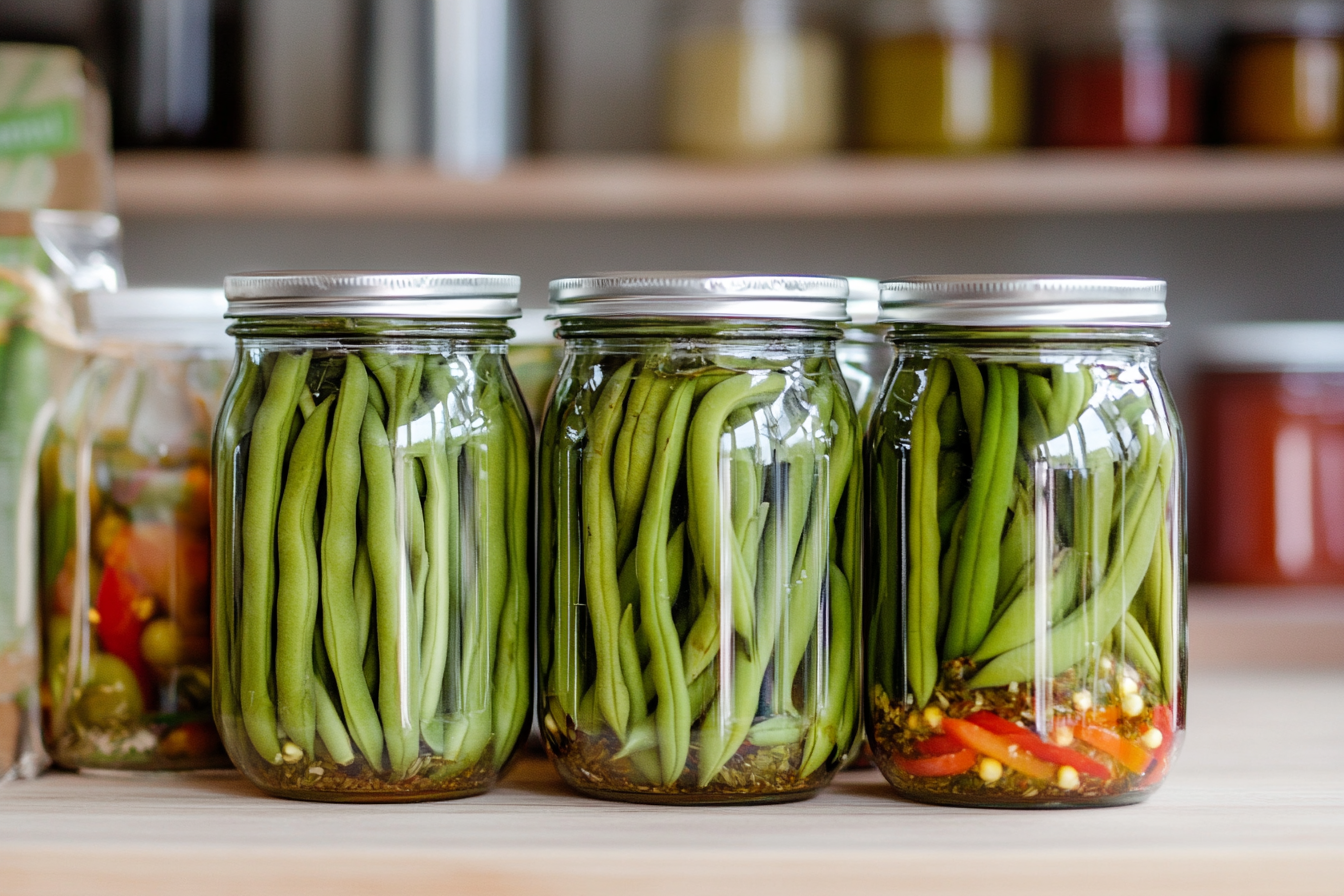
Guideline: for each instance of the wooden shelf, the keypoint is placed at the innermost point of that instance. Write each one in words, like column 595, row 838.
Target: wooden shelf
column 242, row 185
column 1255, row 804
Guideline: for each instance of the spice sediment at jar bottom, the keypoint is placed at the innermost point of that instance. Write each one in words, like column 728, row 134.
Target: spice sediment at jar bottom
column 1030, row 649
column 373, row 480
column 698, row 543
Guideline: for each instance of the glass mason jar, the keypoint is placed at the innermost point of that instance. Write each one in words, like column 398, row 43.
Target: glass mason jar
column 941, row 76
column 372, row 467
column 752, row 79
column 1113, row 76
column 1268, row 497
column 1284, row 73
column 864, row 354
column 125, row 548
column 699, row 536
column 534, row 355
column 1026, row 607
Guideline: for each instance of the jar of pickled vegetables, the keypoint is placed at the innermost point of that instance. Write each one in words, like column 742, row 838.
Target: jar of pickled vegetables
column 372, row 594
column 752, row 79
column 1269, row 451
column 1284, row 73
column 941, row 76
column 1025, row 610
column 125, row 536
column 1113, row 75
column 698, row 539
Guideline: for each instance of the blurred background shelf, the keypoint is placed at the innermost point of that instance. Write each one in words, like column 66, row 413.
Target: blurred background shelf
column 235, row 185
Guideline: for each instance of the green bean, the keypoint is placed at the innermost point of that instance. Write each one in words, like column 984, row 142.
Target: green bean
column 488, row 451
column 703, row 468
column 331, row 729
column 339, row 547
column 298, row 591
column 655, row 574
column 922, row 663
column 1017, row 624
column 599, row 556
column 824, row 737
column 1138, row 649
column 631, row 669
column 235, row 410
column 441, row 505
column 634, row 448
column 265, row 463
column 976, row 580
column 1070, row 640
column 971, row 392
column 512, row 674
column 397, row 672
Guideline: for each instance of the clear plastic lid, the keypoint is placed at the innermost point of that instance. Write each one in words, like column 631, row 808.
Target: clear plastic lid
column 174, row 316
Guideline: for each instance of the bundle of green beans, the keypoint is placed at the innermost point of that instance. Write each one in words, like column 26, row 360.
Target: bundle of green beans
column 977, row 464
column 698, row 554
column 372, row 567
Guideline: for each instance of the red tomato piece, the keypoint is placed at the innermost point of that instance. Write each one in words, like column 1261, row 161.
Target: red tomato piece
column 120, row 623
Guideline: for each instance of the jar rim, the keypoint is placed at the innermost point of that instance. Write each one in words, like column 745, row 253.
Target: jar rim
column 1016, row 300
column 701, row 294
column 443, row 295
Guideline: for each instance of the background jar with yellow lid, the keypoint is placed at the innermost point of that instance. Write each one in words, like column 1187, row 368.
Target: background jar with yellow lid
column 941, row 76
column 752, row 79
column 1284, row 73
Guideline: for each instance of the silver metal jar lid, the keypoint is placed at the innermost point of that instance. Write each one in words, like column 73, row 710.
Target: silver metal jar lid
column 996, row 300
column 703, row 295
column 437, row 296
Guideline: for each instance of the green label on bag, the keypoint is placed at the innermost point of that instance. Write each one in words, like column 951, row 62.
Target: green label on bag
column 51, row 129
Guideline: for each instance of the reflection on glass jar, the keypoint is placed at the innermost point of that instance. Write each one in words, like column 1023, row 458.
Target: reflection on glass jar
column 1270, row 465
column 1285, row 74
column 941, row 75
column 125, row 509
column 1112, row 76
column 534, row 356
column 751, row 79
column 373, row 458
column 1025, row 622
column 698, row 539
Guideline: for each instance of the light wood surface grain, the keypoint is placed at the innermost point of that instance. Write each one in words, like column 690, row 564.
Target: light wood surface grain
column 1254, row 805
column 242, row 185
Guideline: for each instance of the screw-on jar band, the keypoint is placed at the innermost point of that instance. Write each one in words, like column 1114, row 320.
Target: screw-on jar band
column 701, row 295
column 1024, row 301
column 428, row 296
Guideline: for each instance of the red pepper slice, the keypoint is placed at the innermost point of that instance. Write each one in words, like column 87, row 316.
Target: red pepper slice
column 937, row 766
column 1165, row 722
column 1131, row 755
column 939, row 745
column 999, row 747
column 998, row 724
column 1061, row 756
column 1028, row 740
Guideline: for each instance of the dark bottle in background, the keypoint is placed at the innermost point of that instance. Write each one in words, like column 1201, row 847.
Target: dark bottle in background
column 178, row 72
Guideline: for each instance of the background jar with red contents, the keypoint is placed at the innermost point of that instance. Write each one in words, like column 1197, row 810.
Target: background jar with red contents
column 1112, row 75
column 1269, row 462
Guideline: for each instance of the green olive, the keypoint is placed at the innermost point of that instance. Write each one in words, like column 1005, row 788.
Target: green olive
column 112, row 695
column 161, row 644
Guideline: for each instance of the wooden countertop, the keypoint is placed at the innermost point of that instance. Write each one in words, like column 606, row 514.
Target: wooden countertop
column 1255, row 805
